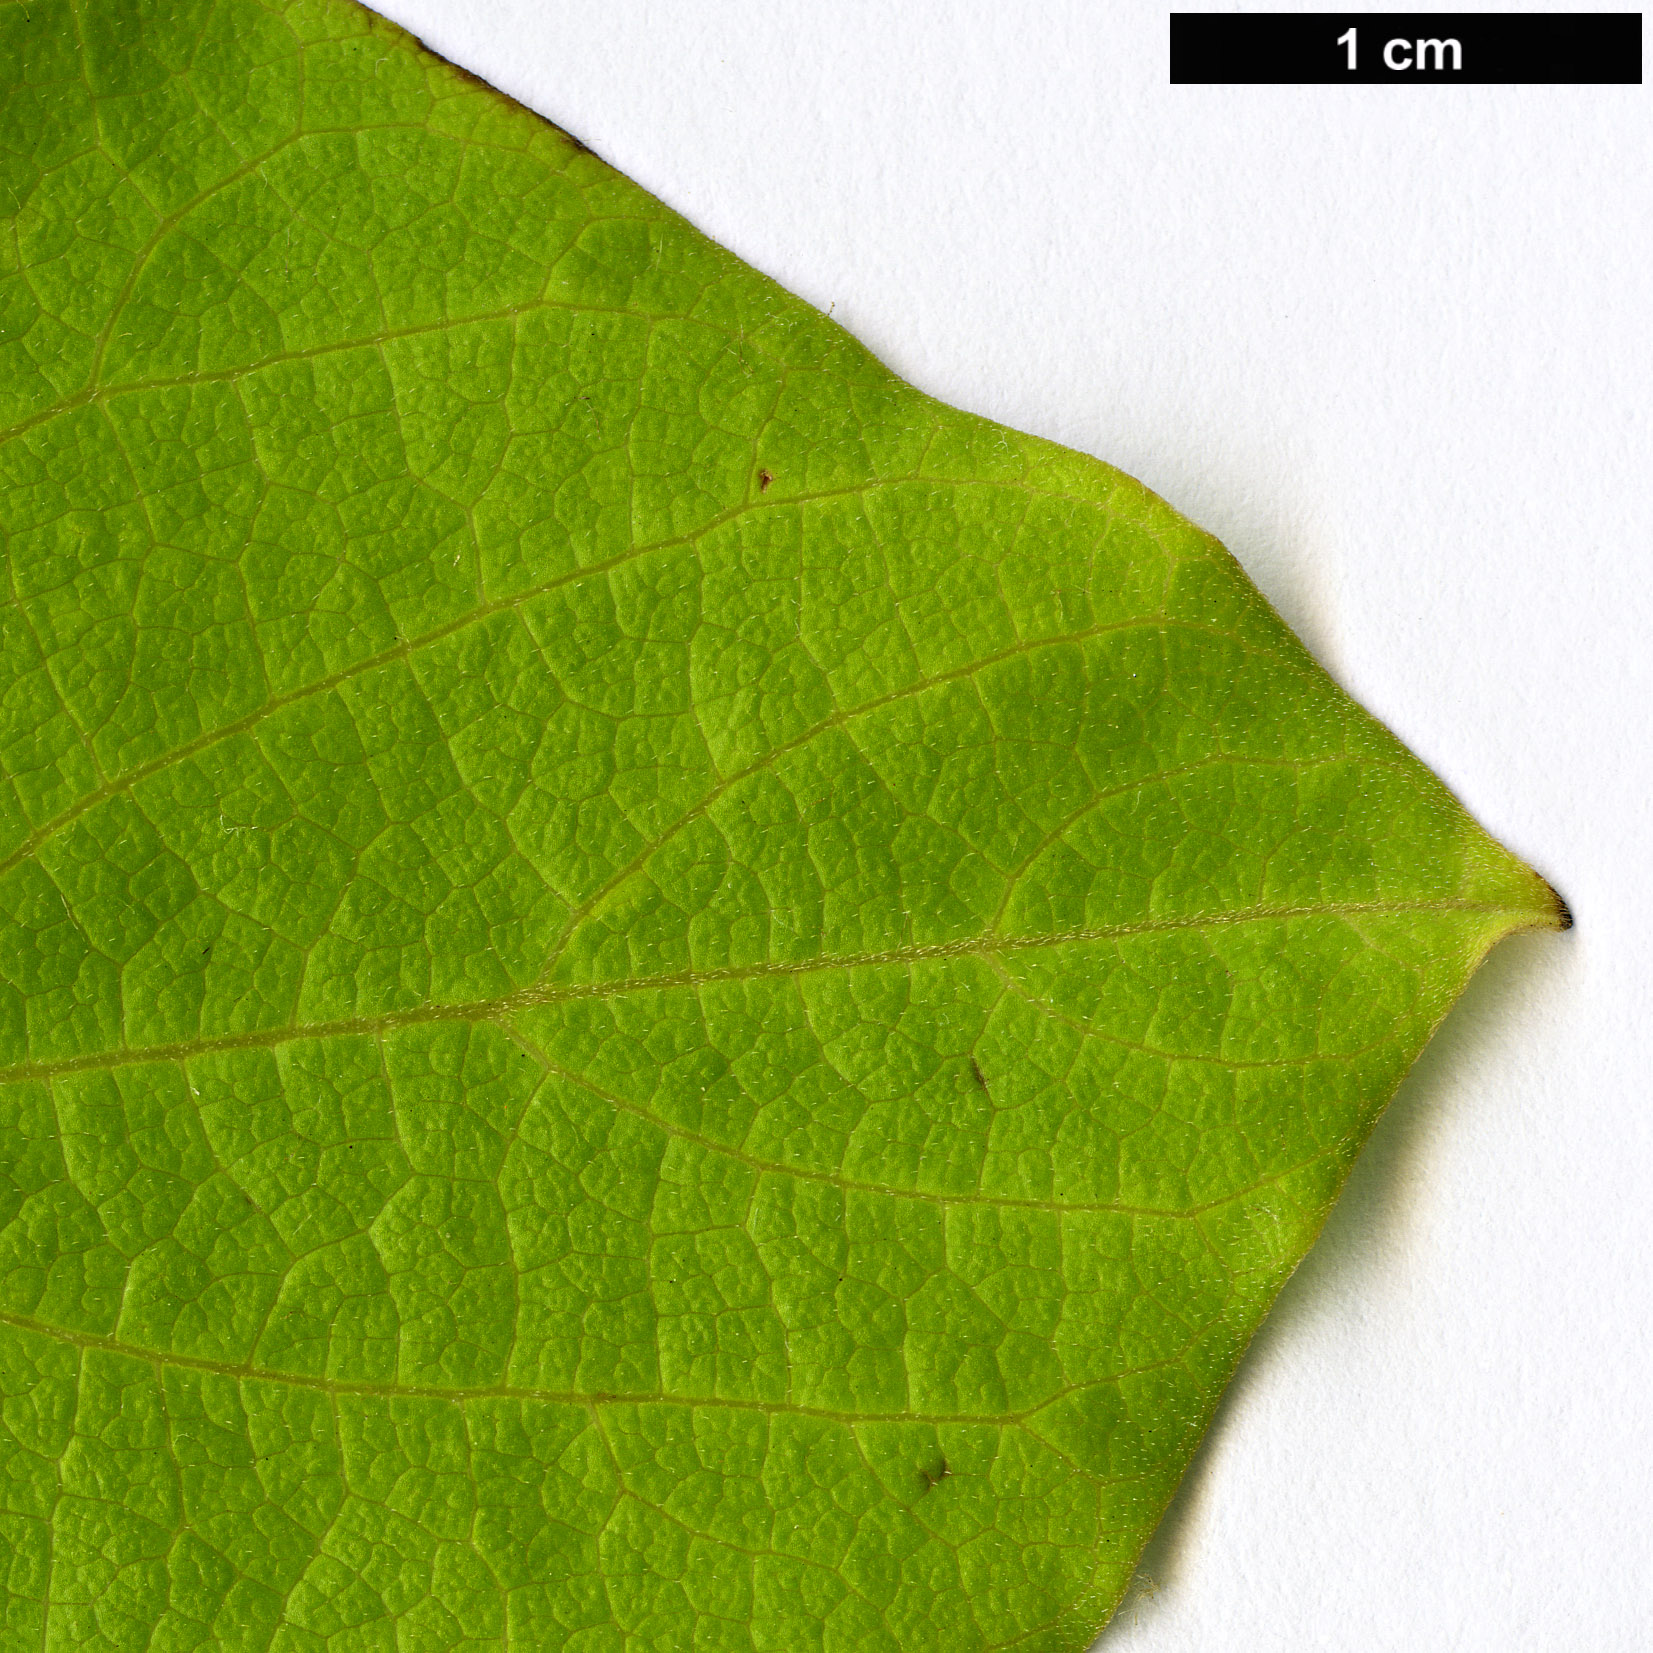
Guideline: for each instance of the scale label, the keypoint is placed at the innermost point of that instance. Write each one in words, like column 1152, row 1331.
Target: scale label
column 1412, row 48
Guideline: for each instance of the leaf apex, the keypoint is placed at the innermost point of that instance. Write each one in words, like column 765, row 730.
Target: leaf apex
column 1560, row 915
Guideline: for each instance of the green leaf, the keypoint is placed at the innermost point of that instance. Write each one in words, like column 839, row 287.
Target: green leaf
column 653, row 993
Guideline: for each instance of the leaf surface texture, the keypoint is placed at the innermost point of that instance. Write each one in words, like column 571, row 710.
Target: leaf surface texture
column 654, row 994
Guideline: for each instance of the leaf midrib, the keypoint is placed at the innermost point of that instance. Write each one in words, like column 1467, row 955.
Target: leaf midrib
column 484, row 1010
column 247, row 1372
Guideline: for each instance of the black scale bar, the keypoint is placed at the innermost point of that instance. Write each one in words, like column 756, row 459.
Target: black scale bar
column 1412, row 48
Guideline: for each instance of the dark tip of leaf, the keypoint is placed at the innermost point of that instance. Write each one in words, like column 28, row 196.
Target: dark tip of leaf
column 1563, row 913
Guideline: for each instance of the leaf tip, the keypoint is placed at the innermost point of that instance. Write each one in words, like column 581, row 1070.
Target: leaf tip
column 1561, row 915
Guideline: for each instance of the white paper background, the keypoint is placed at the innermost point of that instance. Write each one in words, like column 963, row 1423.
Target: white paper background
column 1395, row 346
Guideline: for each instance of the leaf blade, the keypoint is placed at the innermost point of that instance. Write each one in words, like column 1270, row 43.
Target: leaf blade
column 706, row 998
